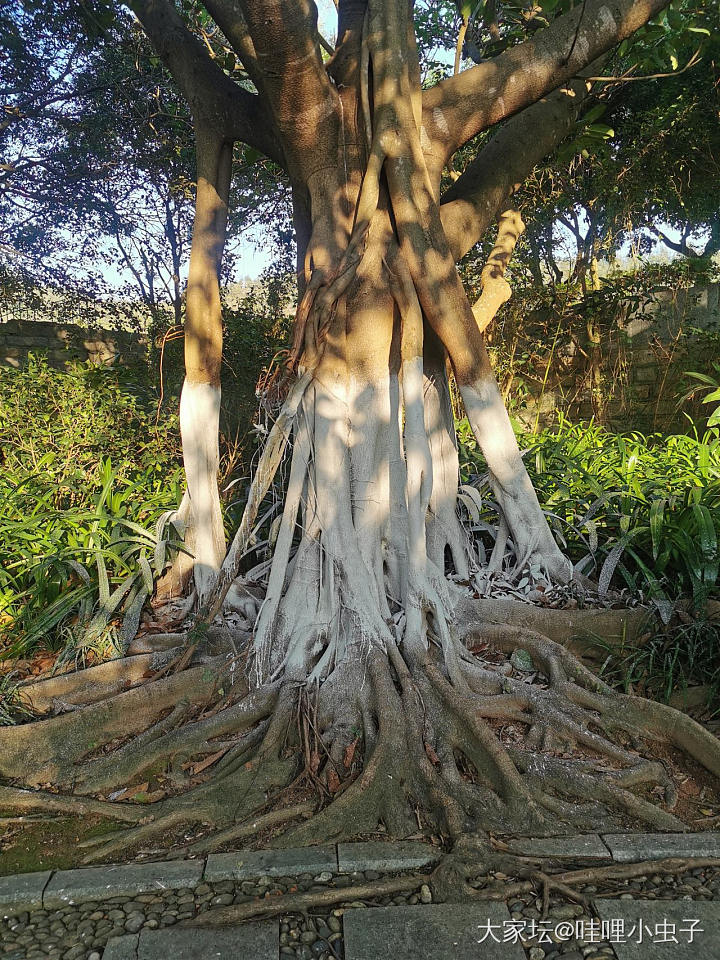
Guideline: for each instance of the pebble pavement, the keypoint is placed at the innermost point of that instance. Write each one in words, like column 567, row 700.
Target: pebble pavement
column 80, row 931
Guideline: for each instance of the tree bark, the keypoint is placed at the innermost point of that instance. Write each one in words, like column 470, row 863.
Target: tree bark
column 200, row 398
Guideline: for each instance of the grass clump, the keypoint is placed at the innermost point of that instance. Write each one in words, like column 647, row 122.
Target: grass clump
column 87, row 478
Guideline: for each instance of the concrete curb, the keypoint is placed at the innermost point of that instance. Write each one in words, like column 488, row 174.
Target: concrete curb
column 51, row 889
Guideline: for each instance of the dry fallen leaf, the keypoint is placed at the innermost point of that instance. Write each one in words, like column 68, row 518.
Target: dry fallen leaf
column 350, row 753
column 201, row 765
column 434, row 758
column 130, row 792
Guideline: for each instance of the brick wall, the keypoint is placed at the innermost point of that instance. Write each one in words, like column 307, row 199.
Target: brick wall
column 643, row 359
column 64, row 343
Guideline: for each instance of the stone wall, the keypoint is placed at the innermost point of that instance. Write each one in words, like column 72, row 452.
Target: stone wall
column 634, row 377
column 634, row 382
column 64, row 343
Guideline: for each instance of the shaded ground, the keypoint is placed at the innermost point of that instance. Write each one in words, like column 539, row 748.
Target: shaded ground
column 29, row 844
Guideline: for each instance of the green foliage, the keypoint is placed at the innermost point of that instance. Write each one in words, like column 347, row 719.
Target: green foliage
column 710, row 385
column 86, row 480
column 684, row 655
column 642, row 512
column 570, row 342
column 12, row 708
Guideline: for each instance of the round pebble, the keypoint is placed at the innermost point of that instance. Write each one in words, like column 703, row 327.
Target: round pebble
column 81, row 931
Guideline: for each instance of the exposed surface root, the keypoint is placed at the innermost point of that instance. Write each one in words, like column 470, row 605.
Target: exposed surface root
column 31, row 801
column 290, row 903
column 448, row 883
column 473, row 857
column 47, row 751
column 390, row 742
column 69, row 690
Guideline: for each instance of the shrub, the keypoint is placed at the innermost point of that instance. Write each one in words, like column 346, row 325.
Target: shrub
column 643, row 511
column 87, row 476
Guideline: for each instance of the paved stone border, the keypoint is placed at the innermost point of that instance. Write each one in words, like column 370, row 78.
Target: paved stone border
column 385, row 857
column 121, row 880
column 249, row 864
column 53, row 889
column 674, row 930
column 22, row 892
column 122, row 948
column 83, row 931
column 630, row 847
column 579, row 847
column 256, row 941
column 435, row 932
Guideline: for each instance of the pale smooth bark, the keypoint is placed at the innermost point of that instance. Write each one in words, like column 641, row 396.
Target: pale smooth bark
column 199, row 427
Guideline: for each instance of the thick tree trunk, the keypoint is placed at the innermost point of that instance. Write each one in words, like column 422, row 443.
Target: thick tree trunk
column 200, row 513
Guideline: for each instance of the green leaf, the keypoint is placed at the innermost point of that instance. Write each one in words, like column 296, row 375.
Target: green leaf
column 657, row 516
column 594, row 113
column 131, row 620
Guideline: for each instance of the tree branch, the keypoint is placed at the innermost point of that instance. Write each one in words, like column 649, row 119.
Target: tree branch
column 471, row 204
column 495, row 288
column 303, row 101
column 459, row 107
column 214, row 99
column 680, row 246
column 229, row 17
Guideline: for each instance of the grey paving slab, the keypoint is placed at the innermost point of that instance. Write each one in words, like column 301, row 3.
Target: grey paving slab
column 438, row 932
column 22, row 892
column 629, row 847
column 122, row 948
column 671, row 929
column 120, row 880
column 587, row 846
column 248, row 864
column 385, row 857
column 247, row 941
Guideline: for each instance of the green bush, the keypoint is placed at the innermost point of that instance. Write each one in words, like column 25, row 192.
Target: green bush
column 87, row 476
column 669, row 661
column 632, row 510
